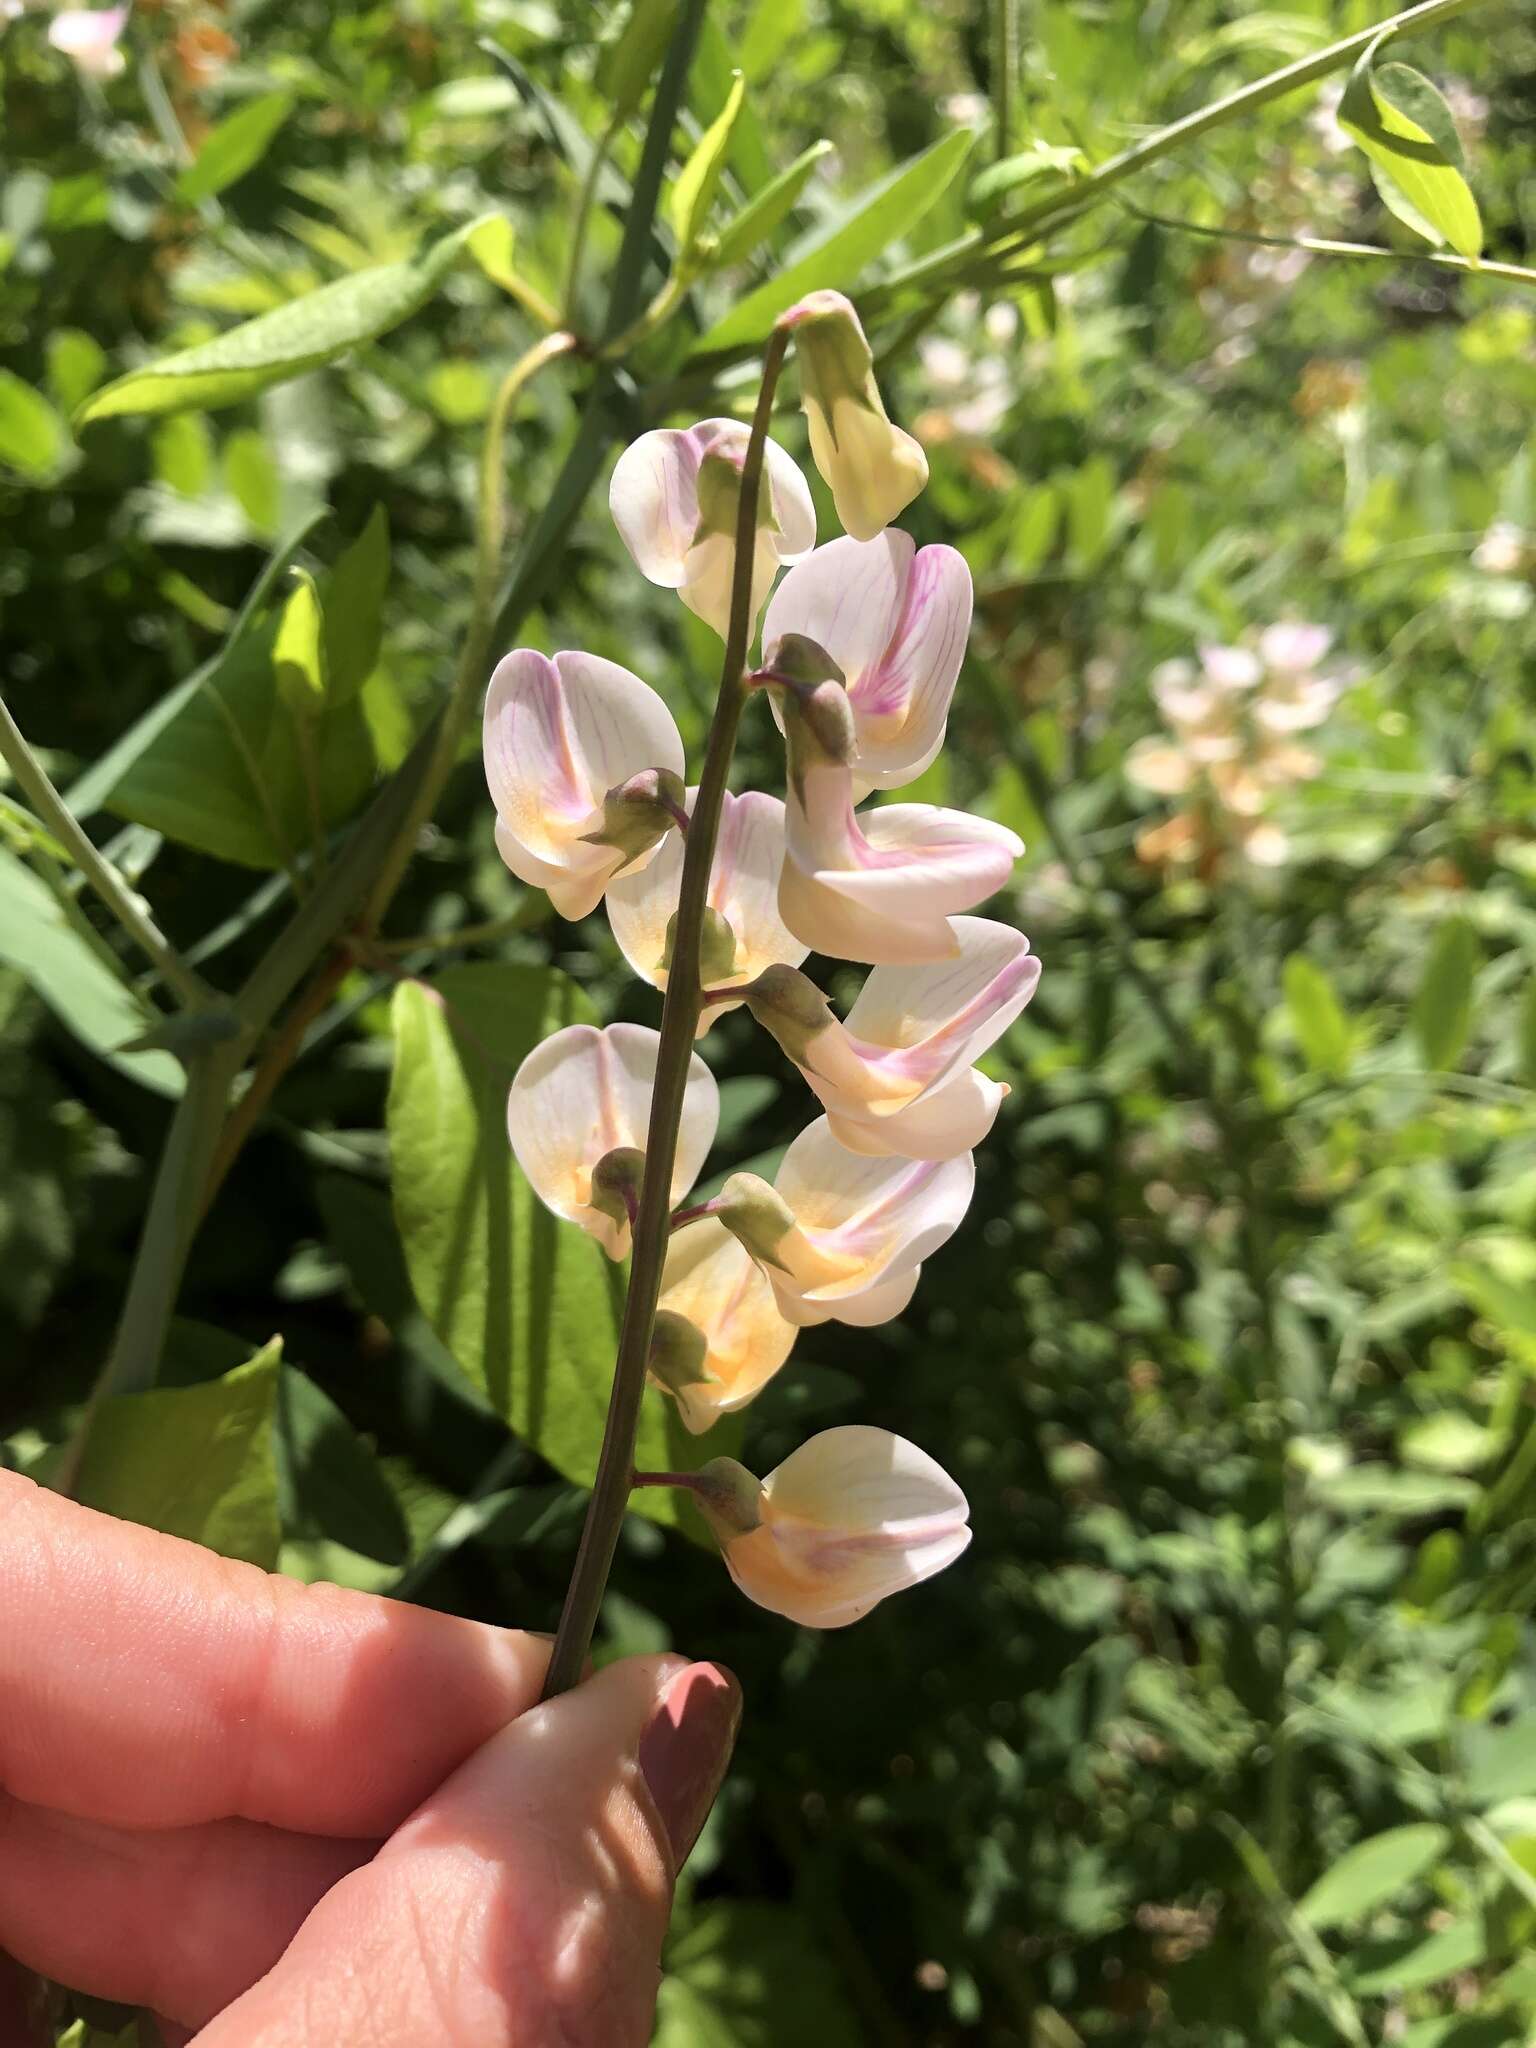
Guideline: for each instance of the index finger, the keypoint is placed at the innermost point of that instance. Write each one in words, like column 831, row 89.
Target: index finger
column 146, row 1682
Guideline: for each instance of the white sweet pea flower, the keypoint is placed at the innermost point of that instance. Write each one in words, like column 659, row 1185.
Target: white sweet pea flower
column 569, row 745
column 880, row 885
column 674, row 497
column 720, row 1337
column 577, row 1116
column 744, row 932
column 872, row 468
column 89, row 38
column 842, row 1237
column 897, row 1079
column 894, row 618
column 851, row 1517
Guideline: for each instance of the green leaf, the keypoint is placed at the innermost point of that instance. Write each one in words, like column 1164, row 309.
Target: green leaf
column 34, row 441
column 251, row 478
column 1497, row 1763
column 354, row 610
column 76, row 976
column 1381, row 1490
column 528, row 1305
column 1442, row 1006
column 302, row 335
column 228, row 773
column 330, row 1487
column 1042, row 164
column 691, row 197
column 1510, row 1308
column 1317, row 1016
column 746, row 231
column 840, row 254
column 298, row 651
column 194, row 1461
column 234, row 146
column 77, row 362
column 1409, row 1961
column 1372, row 1872
column 750, row 1975
column 1406, row 129
column 181, row 448
column 625, row 69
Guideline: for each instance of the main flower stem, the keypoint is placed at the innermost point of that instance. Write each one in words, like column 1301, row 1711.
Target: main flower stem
column 679, row 1017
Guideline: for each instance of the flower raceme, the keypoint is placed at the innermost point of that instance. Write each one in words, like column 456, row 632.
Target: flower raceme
column 893, row 618
column 878, row 886
column 872, row 468
column 744, row 932
column 864, row 641
column 898, row 1078
column 577, row 1116
column 842, row 1237
column 851, row 1517
column 675, row 496
column 584, row 765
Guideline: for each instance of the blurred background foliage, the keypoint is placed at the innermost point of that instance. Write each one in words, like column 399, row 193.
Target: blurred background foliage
column 1225, row 1729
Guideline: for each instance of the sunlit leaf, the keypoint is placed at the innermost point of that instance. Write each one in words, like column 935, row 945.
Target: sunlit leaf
column 1372, row 1872
column 751, row 227
column 690, row 199
column 1442, row 1006
column 305, row 333
column 234, row 146
column 1406, row 129
column 1317, row 1016
column 34, row 441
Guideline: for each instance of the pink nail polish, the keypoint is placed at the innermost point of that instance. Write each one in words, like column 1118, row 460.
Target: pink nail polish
column 685, row 1748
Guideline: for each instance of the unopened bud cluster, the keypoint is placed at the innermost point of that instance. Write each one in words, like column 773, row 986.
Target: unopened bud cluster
column 862, row 646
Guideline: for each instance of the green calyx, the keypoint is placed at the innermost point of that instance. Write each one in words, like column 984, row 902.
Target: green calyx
column 717, row 947
column 719, row 487
column 616, row 1183
column 756, row 1215
column 639, row 812
column 729, row 1497
column 790, row 1006
column 678, row 1351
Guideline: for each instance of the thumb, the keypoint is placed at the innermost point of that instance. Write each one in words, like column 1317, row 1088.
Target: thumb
column 526, row 1900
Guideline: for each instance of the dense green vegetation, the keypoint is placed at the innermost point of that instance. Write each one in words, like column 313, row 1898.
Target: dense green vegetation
column 1224, row 1730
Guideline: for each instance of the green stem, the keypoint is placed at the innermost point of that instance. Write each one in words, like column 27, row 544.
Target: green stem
column 1429, row 14
column 679, row 1016
column 584, row 205
column 470, row 675
column 33, row 781
column 1316, row 245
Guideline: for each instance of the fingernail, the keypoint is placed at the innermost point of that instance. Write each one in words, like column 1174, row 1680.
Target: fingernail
column 686, row 1747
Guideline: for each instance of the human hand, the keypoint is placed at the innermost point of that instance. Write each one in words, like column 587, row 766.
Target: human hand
column 295, row 1816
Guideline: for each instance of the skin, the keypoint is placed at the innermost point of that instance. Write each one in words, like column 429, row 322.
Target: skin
column 294, row 1815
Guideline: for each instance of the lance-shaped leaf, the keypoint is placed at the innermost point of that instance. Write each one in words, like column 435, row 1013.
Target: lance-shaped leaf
column 302, row 335
column 235, row 146
column 692, row 195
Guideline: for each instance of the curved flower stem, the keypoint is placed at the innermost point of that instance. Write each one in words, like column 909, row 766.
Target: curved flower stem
column 679, row 1016
column 470, row 674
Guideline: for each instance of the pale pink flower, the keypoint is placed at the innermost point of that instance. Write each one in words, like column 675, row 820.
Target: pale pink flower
column 712, row 1285
column 851, row 1517
column 872, row 468
column 897, row 1079
column 675, row 497
column 562, row 736
column 842, row 1237
column 745, row 932
column 89, row 38
column 894, row 618
column 582, row 1100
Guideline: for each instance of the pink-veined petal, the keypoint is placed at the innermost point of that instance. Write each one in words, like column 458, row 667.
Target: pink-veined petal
column 953, row 1119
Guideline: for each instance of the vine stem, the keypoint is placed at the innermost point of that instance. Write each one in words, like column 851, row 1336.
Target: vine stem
column 679, row 1017
column 470, row 674
column 33, row 781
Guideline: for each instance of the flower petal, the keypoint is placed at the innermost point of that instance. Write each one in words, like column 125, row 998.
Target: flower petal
column 583, row 1093
column 712, row 1281
column 953, row 1119
column 858, row 1478
column 938, row 1017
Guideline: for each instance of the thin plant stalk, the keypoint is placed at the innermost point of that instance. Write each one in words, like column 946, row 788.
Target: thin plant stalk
column 34, row 783
column 470, row 674
column 679, row 1017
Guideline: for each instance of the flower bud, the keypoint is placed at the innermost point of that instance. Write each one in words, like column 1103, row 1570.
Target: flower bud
column 872, row 468
column 679, row 1350
column 851, row 1517
column 577, row 1115
column 675, row 497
